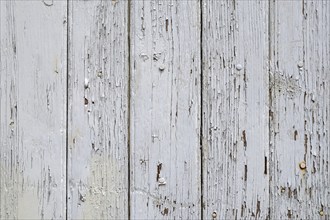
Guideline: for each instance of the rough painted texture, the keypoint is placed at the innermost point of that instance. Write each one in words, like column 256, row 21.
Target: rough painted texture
column 98, row 110
column 32, row 109
column 235, row 109
column 151, row 134
column 300, row 120
column 165, row 110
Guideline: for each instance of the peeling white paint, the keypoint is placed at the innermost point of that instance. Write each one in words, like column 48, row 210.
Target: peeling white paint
column 32, row 110
column 98, row 110
column 176, row 109
column 235, row 109
column 165, row 110
column 300, row 121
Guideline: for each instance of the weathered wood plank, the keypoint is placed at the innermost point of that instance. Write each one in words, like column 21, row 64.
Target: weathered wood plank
column 32, row 109
column 165, row 110
column 98, row 110
column 300, row 109
column 235, row 109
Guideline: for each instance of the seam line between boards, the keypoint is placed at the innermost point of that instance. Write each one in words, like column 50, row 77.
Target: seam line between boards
column 67, row 110
column 270, row 103
column 201, row 103
column 129, row 108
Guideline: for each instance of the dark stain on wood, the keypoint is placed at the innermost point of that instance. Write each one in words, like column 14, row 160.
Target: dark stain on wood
column 265, row 170
column 243, row 209
column 159, row 168
column 244, row 138
column 166, row 21
column 258, row 208
column 165, row 212
column 295, row 135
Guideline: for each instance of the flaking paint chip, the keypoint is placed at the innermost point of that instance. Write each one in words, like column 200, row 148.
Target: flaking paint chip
column 86, row 83
column 239, row 67
column 162, row 67
column 300, row 64
column 162, row 181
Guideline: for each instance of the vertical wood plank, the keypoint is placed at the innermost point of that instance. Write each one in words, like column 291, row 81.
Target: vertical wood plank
column 300, row 108
column 32, row 109
column 317, row 107
column 98, row 110
column 165, row 110
column 235, row 109
column 287, row 108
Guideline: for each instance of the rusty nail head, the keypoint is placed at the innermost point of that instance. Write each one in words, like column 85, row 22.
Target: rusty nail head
column 302, row 165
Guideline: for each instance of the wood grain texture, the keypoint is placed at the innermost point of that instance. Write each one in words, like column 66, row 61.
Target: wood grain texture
column 165, row 110
column 300, row 110
column 235, row 109
column 98, row 110
column 32, row 109
column 168, row 109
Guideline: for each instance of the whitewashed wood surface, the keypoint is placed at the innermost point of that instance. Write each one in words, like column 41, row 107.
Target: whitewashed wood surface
column 300, row 110
column 98, row 110
column 164, row 109
column 235, row 109
column 33, row 109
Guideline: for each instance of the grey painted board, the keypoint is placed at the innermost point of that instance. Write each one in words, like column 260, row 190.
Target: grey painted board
column 300, row 99
column 98, row 110
column 165, row 110
column 32, row 109
column 235, row 109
